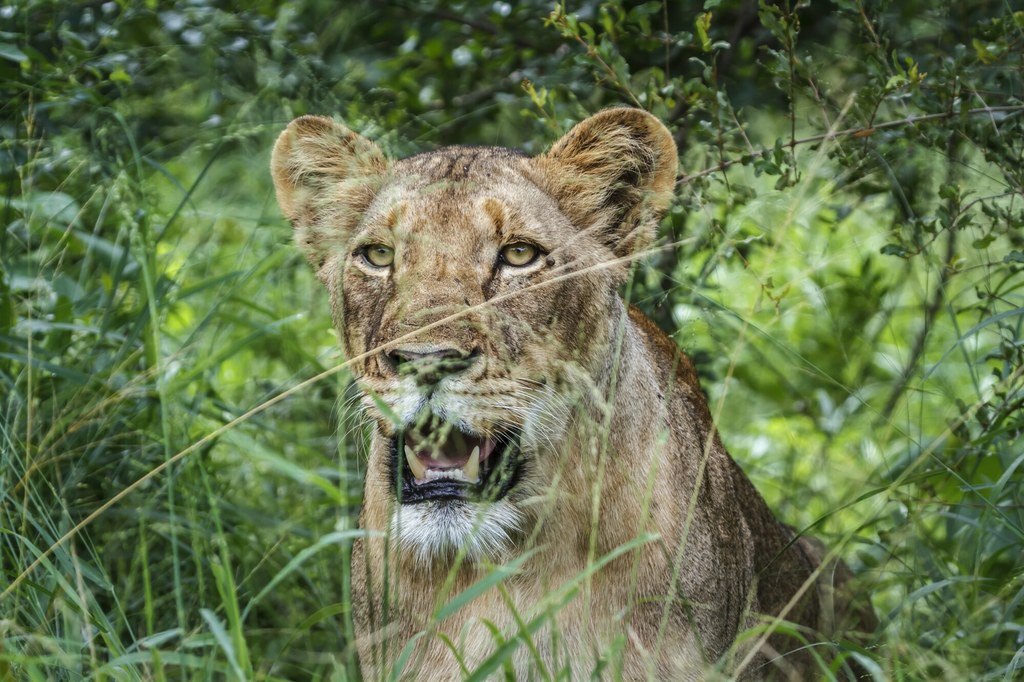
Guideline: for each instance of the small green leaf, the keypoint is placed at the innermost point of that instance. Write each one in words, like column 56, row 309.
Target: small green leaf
column 12, row 53
column 119, row 75
column 988, row 53
column 894, row 250
column 765, row 166
column 703, row 25
column 983, row 242
column 1014, row 257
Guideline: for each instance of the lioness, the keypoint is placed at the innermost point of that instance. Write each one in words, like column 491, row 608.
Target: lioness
column 522, row 413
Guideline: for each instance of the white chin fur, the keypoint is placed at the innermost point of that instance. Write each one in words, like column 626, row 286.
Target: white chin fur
column 437, row 530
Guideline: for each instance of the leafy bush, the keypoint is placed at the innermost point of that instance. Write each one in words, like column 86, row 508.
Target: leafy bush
column 844, row 261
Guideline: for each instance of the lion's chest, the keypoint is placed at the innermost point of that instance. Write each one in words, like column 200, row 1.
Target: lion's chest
column 555, row 626
column 539, row 632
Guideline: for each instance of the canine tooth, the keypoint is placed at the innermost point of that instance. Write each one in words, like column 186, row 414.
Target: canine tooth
column 472, row 469
column 418, row 470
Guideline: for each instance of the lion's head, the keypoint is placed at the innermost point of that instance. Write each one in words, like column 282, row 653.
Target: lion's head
column 475, row 289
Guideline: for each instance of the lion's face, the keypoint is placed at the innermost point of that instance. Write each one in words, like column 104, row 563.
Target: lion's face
column 474, row 289
column 463, row 280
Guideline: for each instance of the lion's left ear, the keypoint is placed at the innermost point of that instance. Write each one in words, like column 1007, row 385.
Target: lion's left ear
column 614, row 173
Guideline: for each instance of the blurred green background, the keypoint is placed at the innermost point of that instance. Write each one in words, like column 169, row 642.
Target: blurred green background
column 846, row 271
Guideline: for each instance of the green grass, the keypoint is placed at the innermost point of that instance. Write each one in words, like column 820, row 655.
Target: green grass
column 180, row 459
column 232, row 561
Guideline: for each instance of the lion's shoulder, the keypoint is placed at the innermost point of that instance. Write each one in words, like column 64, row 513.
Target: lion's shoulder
column 667, row 356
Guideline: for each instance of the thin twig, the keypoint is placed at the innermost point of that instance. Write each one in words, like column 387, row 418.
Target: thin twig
column 930, row 310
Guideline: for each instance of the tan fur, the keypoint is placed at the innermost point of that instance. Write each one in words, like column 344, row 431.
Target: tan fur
column 616, row 432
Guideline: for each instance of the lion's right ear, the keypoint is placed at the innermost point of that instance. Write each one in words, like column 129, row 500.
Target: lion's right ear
column 325, row 177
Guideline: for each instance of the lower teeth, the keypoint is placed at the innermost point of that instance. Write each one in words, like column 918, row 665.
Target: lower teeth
column 447, row 474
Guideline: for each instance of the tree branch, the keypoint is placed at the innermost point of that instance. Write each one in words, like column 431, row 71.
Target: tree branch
column 855, row 133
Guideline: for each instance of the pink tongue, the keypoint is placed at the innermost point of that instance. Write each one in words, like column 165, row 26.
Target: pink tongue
column 441, row 460
column 453, row 453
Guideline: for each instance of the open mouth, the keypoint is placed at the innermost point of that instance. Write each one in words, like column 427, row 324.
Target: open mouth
column 438, row 461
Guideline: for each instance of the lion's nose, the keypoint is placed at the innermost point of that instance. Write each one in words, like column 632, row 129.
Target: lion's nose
column 430, row 365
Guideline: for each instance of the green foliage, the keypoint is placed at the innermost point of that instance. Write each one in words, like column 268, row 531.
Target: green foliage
column 844, row 261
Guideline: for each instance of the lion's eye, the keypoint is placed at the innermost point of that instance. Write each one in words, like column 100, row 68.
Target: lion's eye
column 519, row 254
column 378, row 255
